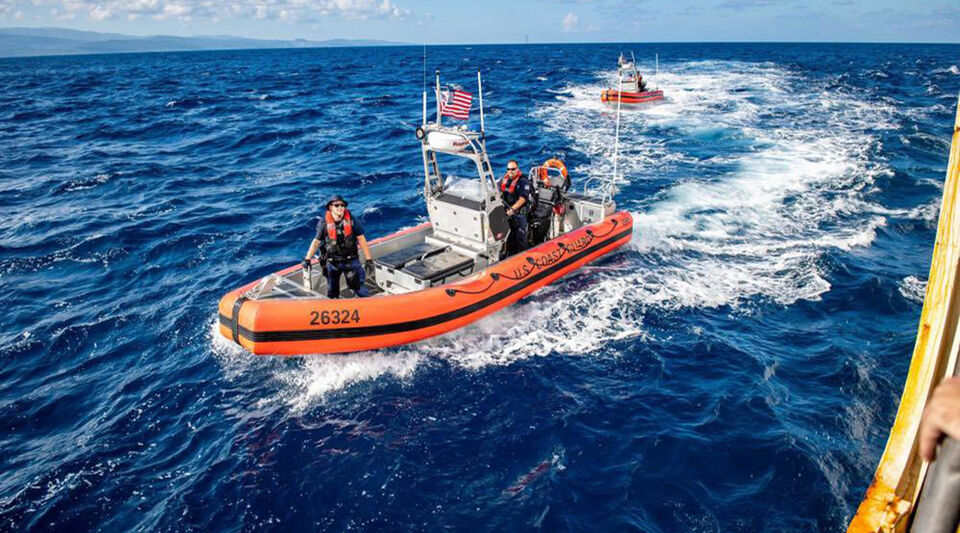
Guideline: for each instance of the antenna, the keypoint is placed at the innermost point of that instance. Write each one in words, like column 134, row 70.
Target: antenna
column 657, row 59
column 424, row 84
column 608, row 190
column 483, row 130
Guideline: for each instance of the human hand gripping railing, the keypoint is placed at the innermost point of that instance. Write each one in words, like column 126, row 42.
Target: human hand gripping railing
column 938, row 510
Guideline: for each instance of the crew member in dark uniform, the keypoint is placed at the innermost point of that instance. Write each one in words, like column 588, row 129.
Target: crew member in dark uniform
column 515, row 191
column 641, row 85
column 338, row 235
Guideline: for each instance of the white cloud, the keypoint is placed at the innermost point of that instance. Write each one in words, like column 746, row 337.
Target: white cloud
column 100, row 13
column 7, row 6
column 364, row 9
column 572, row 23
column 288, row 10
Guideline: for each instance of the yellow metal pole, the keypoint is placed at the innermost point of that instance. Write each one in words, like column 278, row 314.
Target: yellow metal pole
column 892, row 494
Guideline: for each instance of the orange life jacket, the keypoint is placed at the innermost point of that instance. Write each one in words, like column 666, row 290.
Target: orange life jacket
column 343, row 246
column 332, row 225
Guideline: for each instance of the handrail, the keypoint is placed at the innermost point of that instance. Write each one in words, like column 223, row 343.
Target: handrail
column 894, row 492
column 474, row 151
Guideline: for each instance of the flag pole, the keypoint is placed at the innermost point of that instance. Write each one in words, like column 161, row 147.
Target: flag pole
column 657, row 59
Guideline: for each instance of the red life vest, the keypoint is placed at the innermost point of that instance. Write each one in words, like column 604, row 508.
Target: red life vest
column 332, row 225
column 344, row 246
column 513, row 185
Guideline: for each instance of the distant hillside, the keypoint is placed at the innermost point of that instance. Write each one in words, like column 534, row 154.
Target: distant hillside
column 18, row 42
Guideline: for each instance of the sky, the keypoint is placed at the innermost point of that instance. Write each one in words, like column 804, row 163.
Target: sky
column 506, row 21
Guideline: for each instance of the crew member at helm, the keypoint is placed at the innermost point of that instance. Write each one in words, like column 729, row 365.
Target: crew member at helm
column 641, row 85
column 338, row 235
column 515, row 191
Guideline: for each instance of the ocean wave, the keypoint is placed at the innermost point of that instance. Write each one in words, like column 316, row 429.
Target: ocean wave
column 913, row 289
column 952, row 69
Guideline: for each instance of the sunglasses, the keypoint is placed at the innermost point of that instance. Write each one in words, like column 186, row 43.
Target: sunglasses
column 512, row 168
column 338, row 205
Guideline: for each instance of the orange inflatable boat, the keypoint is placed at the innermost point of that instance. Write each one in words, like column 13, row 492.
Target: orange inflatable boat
column 630, row 77
column 295, row 321
column 626, row 97
column 440, row 275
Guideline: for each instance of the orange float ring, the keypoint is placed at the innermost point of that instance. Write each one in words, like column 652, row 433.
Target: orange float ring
column 553, row 162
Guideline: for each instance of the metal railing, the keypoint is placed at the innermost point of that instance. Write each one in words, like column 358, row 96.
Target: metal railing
column 905, row 487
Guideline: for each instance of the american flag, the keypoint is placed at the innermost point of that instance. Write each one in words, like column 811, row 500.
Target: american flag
column 456, row 105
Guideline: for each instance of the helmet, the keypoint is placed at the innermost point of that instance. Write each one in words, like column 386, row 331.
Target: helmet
column 335, row 198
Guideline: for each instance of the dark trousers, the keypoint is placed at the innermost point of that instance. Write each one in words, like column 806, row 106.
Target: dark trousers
column 517, row 242
column 355, row 277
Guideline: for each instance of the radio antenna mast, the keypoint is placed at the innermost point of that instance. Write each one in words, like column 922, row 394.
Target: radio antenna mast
column 424, row 83
column 608, row 190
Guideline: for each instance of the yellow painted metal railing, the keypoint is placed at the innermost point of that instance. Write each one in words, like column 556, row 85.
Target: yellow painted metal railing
column 892, row 495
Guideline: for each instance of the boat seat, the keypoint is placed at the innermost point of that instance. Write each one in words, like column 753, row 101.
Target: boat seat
column 460, row 201
column 438, row 267
column 397, row 260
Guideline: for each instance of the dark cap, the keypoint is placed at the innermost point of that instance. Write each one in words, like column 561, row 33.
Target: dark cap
column 335, row 198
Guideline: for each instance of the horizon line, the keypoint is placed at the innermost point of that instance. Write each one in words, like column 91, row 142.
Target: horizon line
column 520, row 42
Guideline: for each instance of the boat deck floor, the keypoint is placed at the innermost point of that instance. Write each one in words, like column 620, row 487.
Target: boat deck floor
column 372, row 288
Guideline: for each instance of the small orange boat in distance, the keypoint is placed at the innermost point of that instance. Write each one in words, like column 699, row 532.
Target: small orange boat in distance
column 440, row 275
column 611, row 96
column 629, row 77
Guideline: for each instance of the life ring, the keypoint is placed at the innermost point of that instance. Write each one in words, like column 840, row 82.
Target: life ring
column 553, row 162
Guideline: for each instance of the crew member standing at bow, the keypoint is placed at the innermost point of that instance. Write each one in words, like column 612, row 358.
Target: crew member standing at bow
column 338, row 235
column 515, row 191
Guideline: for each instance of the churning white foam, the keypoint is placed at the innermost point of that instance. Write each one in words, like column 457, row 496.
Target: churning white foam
column 572, row 317
column 315, row 376
column 303, row 382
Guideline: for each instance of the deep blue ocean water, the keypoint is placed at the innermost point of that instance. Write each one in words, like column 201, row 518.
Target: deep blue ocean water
column 735, row 368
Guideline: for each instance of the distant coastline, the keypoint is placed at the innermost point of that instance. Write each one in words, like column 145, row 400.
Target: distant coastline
column 29, row 42
column 49, row 41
